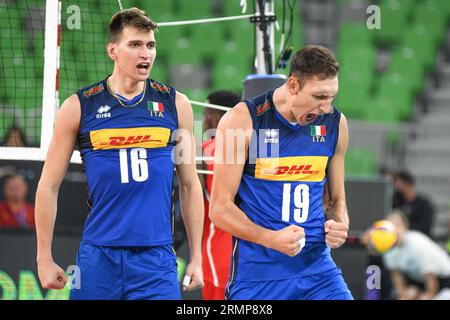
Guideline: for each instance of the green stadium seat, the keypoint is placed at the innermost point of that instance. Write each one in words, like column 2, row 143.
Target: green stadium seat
column 194, row 9
column 431, row 14
column 232, row 8
column 176, row 46
column 229, row 72
column 206, row 40
column 382, row 109
column 362, row 59
column 159, row 11
column 395, row 87
column 419, row 38
column 354, row 92
column 354, row 34
column 184, row 54
column 405, row 61
column 196, row 94
column 361, row 163
column 444, row 6
column 394, row 20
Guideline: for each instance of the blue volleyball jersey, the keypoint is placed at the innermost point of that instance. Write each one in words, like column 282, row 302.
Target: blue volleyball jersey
column 285, row 187
column 126, row 153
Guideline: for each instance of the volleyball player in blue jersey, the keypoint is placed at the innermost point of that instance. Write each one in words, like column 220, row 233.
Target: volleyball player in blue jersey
column 124, row 127
column 272, row 202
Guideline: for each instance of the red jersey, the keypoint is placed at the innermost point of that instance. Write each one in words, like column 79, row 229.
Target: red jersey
column 24, row 218
column 216, row 245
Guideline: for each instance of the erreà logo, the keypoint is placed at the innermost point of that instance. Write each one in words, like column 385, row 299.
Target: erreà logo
column 102, row 112
column 271, row 136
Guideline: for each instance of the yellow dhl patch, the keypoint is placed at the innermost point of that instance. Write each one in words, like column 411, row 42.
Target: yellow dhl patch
column 310, row 168
column 155, row 137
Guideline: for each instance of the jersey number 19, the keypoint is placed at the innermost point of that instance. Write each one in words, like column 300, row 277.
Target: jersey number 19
column 301, row 203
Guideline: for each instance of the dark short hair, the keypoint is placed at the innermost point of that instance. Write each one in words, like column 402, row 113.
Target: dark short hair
column 13, row 129
column 406, row 177
column 9, row 177
column 313, row 60
column 223, row 98
column 132, row 17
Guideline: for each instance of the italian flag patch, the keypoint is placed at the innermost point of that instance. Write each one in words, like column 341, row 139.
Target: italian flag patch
column 155, row 106
column 318, row 131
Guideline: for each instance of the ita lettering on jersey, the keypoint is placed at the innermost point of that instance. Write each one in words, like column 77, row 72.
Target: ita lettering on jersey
column 156, row 109
column 318, row 133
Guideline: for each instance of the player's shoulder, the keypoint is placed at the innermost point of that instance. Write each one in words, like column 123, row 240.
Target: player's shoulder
column 161, row 87
column 237, row 117
column 259, row 102
column 92, row 89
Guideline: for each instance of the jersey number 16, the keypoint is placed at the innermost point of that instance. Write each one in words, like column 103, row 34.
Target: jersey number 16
column 139, row 165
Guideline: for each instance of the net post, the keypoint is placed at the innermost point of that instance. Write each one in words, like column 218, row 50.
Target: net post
column 51, row 64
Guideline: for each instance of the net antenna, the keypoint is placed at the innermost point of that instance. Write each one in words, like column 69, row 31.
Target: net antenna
column 264, row 21
column 50, row 99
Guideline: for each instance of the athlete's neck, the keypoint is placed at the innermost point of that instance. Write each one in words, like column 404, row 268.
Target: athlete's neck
column 282, row 104
column 125, row 86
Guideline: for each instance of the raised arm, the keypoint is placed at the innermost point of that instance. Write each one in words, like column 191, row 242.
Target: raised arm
column 228, row 169
column 58, row 157
column 191, row 197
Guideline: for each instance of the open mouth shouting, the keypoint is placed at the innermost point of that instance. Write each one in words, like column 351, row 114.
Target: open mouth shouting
column 143, row 67
column 308, row 118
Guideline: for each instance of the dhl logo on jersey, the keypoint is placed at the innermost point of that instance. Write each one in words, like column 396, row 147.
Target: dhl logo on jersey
column 310, row 169
column 154, row 137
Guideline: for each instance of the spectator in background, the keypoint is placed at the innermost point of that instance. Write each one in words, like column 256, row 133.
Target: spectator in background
column 216, row 245
column 417, row 207
column 420, row 268
column 397, row 197
column 15, row 137
column 15, row 211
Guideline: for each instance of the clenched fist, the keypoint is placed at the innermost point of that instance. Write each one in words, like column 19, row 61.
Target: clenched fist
column 335, row 233
column 51, row 275
column 288, row 240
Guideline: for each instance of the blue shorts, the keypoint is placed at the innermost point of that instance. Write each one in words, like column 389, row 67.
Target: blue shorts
column 126, row 273
column 324, row 286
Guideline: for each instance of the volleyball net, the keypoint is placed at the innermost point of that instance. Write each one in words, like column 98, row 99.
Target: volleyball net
column 50, row 49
